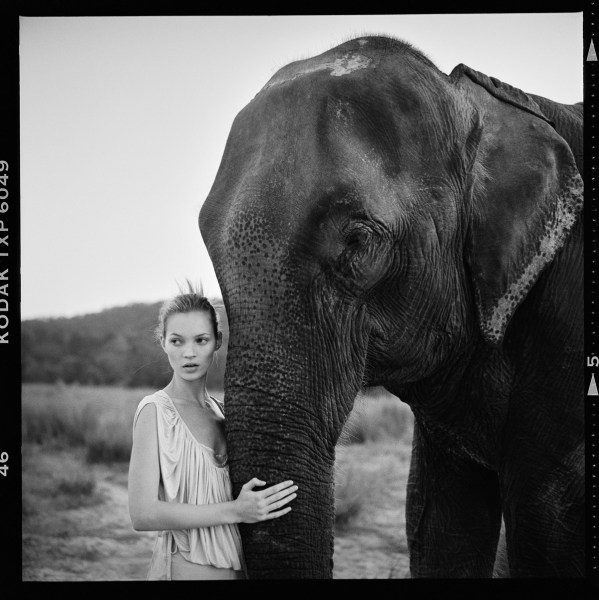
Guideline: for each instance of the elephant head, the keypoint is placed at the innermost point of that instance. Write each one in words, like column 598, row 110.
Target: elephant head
column 371, row 221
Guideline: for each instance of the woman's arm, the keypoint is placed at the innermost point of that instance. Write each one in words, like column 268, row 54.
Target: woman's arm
column 148, row 513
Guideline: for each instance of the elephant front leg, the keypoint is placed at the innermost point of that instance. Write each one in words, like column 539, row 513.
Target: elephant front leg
column 453, row 513
column 544, row 513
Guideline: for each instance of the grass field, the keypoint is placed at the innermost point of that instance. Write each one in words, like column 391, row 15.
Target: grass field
column 76, row 447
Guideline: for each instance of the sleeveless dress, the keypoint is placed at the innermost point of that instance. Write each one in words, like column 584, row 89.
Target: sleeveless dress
column 190, row 473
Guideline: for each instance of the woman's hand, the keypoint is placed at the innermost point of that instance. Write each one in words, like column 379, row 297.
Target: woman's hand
column 253, row 506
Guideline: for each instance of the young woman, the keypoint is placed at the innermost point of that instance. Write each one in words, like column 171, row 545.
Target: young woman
column 178, row 476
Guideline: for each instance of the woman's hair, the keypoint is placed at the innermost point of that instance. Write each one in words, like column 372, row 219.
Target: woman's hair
column 190, row 301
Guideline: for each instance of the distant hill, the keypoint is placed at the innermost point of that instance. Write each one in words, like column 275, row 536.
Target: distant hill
column 112, row 347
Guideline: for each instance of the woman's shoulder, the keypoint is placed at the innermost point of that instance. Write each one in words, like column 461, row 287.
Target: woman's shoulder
column 158, row 399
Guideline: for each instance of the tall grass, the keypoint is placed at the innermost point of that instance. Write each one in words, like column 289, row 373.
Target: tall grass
column 46, row 489
column 50, row 414
column 98, row 418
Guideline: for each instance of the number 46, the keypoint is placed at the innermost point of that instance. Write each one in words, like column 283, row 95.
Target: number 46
column 3, row 459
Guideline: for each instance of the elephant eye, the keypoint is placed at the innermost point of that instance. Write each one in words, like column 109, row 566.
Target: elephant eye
column 356, row 236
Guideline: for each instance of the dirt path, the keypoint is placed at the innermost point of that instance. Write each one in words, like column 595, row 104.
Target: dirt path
column 87, row 536
column 93, row 542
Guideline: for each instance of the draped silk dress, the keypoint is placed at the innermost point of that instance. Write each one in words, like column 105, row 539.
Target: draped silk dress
column 191, row 473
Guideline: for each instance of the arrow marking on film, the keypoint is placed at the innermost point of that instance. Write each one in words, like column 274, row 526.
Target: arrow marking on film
column 592, row 55
column 593, row 387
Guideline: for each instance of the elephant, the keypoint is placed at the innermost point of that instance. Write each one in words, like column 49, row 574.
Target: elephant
column 377, row 222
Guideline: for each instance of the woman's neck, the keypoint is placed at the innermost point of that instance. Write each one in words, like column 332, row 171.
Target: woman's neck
column 188, row 391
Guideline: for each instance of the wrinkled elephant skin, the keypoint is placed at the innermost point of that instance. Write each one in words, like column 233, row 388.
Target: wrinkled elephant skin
column 377, row 222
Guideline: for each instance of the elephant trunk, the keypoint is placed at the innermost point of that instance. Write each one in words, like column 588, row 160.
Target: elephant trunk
column 272, row 435
column 300, row 543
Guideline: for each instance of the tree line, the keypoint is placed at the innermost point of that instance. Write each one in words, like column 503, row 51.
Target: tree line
column 113, row 347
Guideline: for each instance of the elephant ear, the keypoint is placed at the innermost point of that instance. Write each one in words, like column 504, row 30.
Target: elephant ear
column 526, row 196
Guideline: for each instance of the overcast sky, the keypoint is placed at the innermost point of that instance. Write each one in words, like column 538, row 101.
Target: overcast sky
column 124, row 120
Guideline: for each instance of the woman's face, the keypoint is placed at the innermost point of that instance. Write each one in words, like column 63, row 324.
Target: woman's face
column 190, row 343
